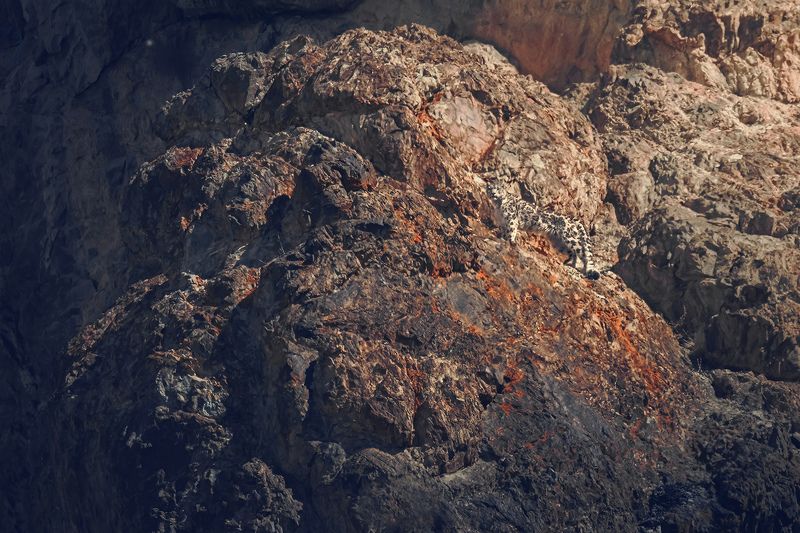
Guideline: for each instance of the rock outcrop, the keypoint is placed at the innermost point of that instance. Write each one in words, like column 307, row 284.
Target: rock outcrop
column 749, row 48
column 705, row 182
column 254, row 281
column 270, row 257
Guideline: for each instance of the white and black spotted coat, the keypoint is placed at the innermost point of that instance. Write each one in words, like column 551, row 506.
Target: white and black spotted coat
column 517, row 214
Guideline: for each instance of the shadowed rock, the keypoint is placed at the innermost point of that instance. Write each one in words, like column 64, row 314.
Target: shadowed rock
column 291, row 306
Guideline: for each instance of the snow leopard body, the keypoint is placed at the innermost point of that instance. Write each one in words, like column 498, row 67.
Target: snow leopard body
column 520, row 215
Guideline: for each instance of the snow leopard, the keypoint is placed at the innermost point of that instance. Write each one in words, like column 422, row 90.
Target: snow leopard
column 518, row 214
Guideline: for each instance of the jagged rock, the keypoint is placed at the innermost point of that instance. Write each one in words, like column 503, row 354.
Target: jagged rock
column 632, row 194
column 274, row 254
column 733, row 291
column 719, row 256
column 362, row 333
column 300, row 313
column 750, row 48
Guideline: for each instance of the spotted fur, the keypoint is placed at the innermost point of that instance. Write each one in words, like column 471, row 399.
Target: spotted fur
column 517, row 214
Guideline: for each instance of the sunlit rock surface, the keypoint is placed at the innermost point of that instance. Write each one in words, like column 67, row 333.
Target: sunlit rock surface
column 252, row 280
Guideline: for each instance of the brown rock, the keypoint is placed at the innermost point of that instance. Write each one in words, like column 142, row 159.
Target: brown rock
column 750, row 48
column 719, row 257
column 299, row 313
column 317, row 312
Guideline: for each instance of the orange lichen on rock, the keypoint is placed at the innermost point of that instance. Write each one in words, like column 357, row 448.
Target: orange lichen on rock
column 541, row 244
column 92, row 333
column 600, row 342
column 408, row 224
column 182, row 158
column 496, row 288
column 469, row 326
column 186, row 222
column 513, row 375
column 416, row 381
column 250, row 281
column 429, row 123
column 631, row 361
column 645, row 369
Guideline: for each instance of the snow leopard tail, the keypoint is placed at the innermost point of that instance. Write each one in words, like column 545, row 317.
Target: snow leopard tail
column 589, row 268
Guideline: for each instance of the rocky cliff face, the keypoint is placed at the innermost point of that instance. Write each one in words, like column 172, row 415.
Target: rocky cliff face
column 253, row 281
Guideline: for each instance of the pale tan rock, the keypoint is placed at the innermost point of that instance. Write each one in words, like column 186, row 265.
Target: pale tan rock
column 633, row 194
column 750, row 74
column 718, row 254
column 751, row 47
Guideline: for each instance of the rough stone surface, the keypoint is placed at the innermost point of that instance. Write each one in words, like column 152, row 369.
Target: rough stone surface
column 252, row 280
column 751, row 48
column 718, row 253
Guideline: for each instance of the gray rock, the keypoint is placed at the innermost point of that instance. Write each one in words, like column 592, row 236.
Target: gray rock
column 297, row 313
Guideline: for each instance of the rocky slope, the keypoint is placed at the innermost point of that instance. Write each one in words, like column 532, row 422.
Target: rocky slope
column 253, row 280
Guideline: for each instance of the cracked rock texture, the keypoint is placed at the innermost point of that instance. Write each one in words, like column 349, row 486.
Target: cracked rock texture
column 751, row 48
column 705, row 182
column 251, row 279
